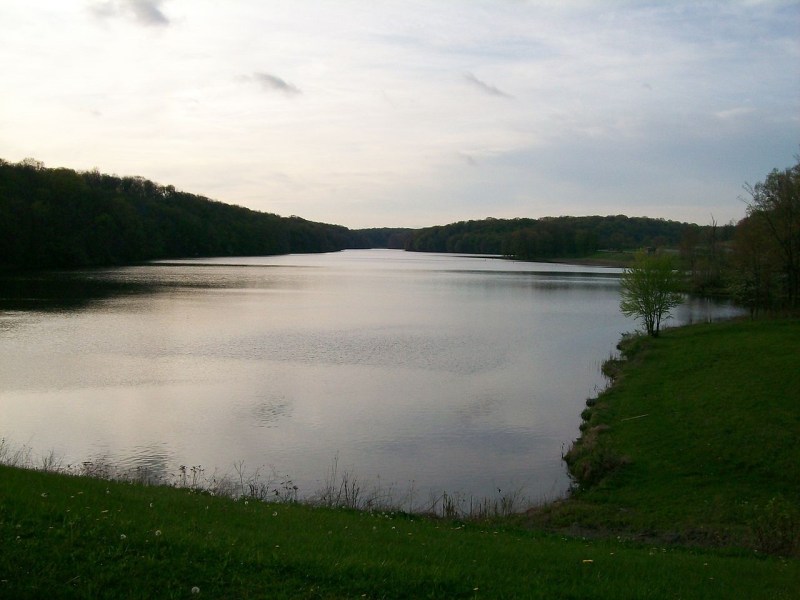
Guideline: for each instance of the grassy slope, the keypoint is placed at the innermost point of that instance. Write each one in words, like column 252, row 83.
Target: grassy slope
column 717, row 444
column 61, row 536
column 718, row 441
column 602, row 259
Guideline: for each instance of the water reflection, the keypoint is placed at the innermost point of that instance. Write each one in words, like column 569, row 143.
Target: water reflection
column 63, row 290
column 454, row 373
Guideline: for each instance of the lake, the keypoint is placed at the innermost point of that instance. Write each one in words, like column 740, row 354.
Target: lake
column 423, row 372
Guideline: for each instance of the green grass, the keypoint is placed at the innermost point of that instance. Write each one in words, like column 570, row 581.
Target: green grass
column 606, row 258
column 710, row 473
column 62, row 536
column 702, row 425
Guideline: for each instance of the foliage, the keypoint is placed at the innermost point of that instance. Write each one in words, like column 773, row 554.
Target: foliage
column 756, row 276
column 650, row 290
column 704, row 254
column 64, row 218
column 768, row 243
column 550, row 237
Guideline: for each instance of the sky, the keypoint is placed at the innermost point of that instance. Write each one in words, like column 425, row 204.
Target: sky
column 412, row 113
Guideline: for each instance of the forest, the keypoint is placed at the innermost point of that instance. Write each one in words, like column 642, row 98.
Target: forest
column 61, row 218
column 556, row 237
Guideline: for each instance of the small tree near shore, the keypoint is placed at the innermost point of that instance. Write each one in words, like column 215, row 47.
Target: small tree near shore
column 650, row 290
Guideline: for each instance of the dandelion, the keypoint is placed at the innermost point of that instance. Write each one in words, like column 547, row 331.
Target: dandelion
column 195, row 590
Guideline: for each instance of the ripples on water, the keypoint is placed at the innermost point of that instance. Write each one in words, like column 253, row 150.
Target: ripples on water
column 440, row 372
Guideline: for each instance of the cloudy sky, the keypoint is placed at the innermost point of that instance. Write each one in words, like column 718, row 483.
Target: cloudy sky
column 412, row 112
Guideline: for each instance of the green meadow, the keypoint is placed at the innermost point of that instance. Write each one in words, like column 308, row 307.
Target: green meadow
column 696, row 440
column 688, row 486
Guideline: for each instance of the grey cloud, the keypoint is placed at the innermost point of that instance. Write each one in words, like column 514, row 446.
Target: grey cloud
column 468, row 158
column 148, row 12
column 273, row 83
column 485, row 87
column 143, row 12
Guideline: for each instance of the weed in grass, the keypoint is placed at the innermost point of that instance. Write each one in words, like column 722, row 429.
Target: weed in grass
column 776, row 527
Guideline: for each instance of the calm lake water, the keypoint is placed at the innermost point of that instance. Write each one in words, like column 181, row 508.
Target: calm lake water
column 427, row 371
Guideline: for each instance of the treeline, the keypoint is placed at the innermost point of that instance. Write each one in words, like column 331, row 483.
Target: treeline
column 756, row 261
column 764, row 265
column 64, row 218
column 60, row 218
column 558, row 237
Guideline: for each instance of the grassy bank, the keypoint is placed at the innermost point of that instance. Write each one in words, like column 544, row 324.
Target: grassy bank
column 72, row 537
column 604, row 258
column 696, row 441
column 688, row 463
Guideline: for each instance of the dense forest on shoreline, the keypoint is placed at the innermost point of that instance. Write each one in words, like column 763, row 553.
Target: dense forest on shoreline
column 60, row 218
column 557, row 237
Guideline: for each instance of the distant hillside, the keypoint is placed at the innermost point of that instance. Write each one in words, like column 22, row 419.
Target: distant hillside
column 60, row 218
column 63, row 218
column 556, row 237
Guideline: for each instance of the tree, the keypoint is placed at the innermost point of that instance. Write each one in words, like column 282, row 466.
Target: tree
column 650, row 290
column 776, row 204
